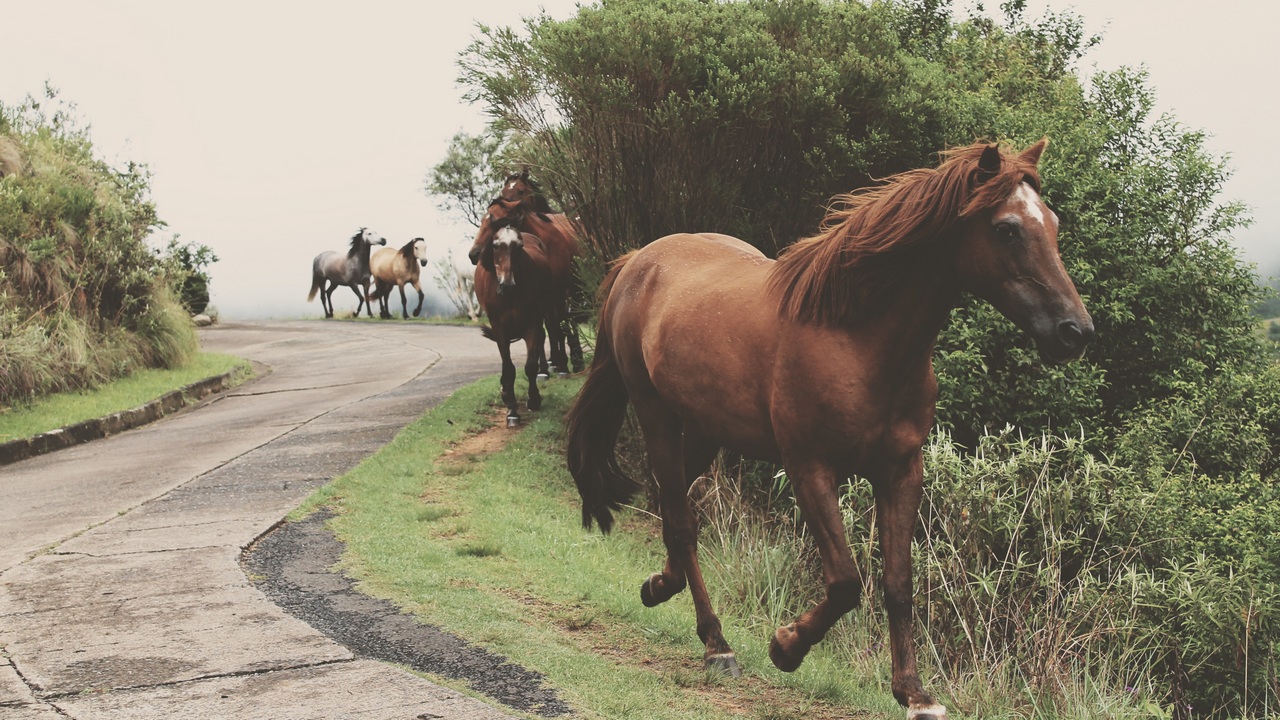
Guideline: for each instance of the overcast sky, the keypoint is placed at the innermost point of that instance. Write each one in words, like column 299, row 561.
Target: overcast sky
column 276, row 129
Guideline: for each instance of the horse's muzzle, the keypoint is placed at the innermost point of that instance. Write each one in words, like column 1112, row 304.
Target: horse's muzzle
column 473, row 255
column 1068, row 341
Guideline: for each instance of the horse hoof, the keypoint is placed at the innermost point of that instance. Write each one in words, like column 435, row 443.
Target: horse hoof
column 927, row 712
column 724, row 664
column 647, row 595
column 562, row 375
column 782, row 659
column 513, row 421
column 543, row 376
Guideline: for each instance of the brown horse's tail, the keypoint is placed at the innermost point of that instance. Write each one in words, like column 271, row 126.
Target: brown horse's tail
column 593, row 424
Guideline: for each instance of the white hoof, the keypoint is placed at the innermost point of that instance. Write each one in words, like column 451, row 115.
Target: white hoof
column 927, row 712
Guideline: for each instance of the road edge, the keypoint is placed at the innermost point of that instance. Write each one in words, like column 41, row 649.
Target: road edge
column 97, row 428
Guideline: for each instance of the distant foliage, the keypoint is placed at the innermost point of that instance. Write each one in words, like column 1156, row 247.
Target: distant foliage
column 82, row 297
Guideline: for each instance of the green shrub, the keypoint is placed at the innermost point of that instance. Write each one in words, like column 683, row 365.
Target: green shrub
column 83, row 299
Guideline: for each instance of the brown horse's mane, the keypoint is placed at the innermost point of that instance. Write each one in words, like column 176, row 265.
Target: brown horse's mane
column 407, row 250
column 866, row 242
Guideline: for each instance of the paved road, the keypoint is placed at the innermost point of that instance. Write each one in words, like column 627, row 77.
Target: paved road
column 121, row 593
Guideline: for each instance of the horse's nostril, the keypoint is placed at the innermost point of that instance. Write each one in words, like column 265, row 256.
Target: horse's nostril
column 1072, row 335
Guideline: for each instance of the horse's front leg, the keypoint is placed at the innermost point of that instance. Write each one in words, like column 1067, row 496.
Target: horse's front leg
column 533, row 338
column 508, row 380
column 815, row 485
column 897, row 506
column 362, row 297
column 417, row 285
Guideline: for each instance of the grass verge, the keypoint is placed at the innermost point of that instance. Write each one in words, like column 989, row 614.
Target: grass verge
column 477, row 529
column 67, row 408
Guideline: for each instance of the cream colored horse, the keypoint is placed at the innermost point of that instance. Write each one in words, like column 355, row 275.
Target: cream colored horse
column 390, row 266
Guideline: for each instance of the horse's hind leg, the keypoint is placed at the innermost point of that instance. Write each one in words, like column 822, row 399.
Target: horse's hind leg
column 575, row 344
column 678, row 457
column 326, row 297
column 404, row 304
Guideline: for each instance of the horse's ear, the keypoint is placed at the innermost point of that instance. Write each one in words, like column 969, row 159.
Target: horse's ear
column 989, row 163
column 1032, row 154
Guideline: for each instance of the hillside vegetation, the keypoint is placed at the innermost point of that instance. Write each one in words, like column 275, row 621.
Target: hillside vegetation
column 83, row 299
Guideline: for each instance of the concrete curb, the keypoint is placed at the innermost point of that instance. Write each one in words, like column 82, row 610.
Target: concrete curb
column 97, row 428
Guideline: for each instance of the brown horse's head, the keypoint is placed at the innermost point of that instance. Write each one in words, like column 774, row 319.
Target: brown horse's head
column 518, row 187
column 1007, row 254
column 506, row 249
column 500, row 212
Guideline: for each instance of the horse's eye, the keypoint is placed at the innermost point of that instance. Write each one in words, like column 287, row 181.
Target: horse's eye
column 1008, row 233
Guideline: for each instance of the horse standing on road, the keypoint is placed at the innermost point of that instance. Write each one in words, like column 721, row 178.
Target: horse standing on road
column 820, row 361
column 391, row 267
column 331, row 269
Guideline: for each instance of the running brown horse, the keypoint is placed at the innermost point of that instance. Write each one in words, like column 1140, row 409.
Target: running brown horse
column 560, row 239
column 820, row 361
column 513, row 283
column 391, row 267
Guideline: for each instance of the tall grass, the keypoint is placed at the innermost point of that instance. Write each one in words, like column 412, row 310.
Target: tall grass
column 1038, row 590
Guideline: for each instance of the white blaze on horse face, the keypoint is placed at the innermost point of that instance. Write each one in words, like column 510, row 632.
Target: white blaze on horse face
column 508, row 236
column 1031, row 203
column 373, row 238
column 420, row 251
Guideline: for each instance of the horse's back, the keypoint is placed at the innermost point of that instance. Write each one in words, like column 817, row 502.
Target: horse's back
column 689, row 317
column 382, row 264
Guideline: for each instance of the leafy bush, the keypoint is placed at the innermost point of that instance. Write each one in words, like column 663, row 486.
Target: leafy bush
column 82, row 297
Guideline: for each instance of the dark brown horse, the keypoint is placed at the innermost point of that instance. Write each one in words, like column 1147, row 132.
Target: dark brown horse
column 560, row 239
column 821, row 361
column 513, row 282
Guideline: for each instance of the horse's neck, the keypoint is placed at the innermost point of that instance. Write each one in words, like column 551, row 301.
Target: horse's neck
column 905, row 326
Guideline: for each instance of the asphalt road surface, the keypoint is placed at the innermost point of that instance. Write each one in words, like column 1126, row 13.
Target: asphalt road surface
column 122, row 593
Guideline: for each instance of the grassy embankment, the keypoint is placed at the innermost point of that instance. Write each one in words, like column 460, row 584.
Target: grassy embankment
column 477, row 529
column 66, row 408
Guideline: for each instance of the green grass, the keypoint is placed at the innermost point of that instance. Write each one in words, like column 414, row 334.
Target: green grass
column 62, row 409
column 493, row 549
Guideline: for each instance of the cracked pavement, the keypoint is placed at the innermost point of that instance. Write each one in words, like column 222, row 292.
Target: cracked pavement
column 121, row 592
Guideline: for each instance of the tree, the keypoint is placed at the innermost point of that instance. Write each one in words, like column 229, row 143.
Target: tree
column 469, row 176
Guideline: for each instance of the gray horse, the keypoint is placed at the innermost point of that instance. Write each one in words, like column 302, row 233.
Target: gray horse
column 351, row 269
